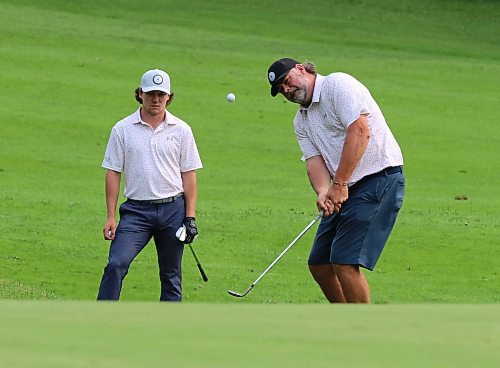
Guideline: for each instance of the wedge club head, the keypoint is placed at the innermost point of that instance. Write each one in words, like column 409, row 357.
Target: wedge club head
column 241, row 295
column 238, row 295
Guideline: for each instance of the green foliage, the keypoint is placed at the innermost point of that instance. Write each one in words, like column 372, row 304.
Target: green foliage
column 69, row 70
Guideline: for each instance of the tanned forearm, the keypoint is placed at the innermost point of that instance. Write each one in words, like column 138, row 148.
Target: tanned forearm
column 190, row 192
column 358, row 135
column 112, row 192
column 318, row 174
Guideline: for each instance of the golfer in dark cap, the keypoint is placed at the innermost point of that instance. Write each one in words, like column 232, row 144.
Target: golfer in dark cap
column 354, row 165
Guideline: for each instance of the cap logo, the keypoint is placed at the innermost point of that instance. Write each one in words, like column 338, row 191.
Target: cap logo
column 157, row 79
column 272, row 76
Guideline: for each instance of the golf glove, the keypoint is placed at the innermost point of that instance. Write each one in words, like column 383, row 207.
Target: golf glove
column 191, row 229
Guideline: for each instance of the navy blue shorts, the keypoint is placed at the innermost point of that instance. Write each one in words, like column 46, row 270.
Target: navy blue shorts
column 358, row 233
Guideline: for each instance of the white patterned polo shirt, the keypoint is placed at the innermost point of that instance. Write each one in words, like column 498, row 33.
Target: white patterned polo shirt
column 151, row 160
column 338, row 101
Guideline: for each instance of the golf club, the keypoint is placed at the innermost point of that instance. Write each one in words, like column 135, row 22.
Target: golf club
column 181, row 235
column 241, row 295
column 203, row 274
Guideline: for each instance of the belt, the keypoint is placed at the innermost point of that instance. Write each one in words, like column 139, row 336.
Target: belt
column 385, row 172
column 159, row 201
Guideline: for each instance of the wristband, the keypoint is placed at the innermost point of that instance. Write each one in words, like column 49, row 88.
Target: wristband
column 339, row 184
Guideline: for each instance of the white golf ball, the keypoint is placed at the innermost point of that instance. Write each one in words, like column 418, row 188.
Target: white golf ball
column 231, row 97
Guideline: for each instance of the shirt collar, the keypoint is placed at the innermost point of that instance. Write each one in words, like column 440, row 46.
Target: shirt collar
column 138, row 120
column 318, row 86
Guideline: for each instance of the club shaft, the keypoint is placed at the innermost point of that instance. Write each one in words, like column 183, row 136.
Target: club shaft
column 202, row 272
column 287, row 248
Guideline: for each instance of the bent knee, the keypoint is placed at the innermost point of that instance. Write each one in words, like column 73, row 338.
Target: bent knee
column 320, row 270
column 117, row 265
column 344, row 269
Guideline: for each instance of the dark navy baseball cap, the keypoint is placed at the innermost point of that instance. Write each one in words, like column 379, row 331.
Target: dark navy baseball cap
column 277, row 71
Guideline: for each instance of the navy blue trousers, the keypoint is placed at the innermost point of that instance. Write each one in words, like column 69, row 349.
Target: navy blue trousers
column 139, row 222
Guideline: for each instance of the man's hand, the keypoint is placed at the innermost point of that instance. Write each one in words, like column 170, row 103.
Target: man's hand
column 324, row 204
column 109, row 229
column 191, row 229
column 337, row 195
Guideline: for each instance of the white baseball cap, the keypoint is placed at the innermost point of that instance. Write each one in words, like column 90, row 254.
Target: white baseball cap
column 155, row 80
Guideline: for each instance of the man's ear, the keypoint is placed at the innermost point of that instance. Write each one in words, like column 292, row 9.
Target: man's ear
column 300, row 68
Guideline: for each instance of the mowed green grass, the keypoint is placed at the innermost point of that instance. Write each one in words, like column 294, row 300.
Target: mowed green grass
column 83, row 334
column 68, row 73
column 69, row 70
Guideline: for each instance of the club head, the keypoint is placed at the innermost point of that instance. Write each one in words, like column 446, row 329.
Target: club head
column 234, row 293
column 238, row 295
column 181, row 233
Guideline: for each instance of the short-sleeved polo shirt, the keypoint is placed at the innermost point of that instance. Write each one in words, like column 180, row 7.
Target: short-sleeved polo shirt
column 151, row 160
column 321, row 128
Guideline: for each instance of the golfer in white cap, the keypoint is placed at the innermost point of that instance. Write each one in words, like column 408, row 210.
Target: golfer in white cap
column 157, row 154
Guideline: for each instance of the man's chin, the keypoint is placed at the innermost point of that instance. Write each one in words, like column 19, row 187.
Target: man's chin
column 299, row 100
column 298, row 97
column 155, row 110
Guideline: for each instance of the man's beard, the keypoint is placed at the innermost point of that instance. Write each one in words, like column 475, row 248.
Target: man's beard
column 299, row 96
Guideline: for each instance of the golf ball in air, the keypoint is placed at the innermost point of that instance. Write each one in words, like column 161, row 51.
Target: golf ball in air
column 231, row 97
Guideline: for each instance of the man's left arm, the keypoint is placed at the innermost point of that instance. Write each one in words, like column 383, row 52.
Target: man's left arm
column 190, row 193
column 355, row 144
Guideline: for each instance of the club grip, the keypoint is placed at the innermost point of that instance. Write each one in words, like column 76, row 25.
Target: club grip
column 203, row 274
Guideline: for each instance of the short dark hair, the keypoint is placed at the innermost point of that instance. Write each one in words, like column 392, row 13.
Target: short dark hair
column 139, row 99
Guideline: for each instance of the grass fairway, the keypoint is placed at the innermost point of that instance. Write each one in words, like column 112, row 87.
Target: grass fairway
column 69, row 69
column 68, row 73
column 214, row 335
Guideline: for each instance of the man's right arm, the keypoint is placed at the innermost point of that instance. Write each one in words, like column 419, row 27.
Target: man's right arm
column 112, row 193
column 320, row 181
